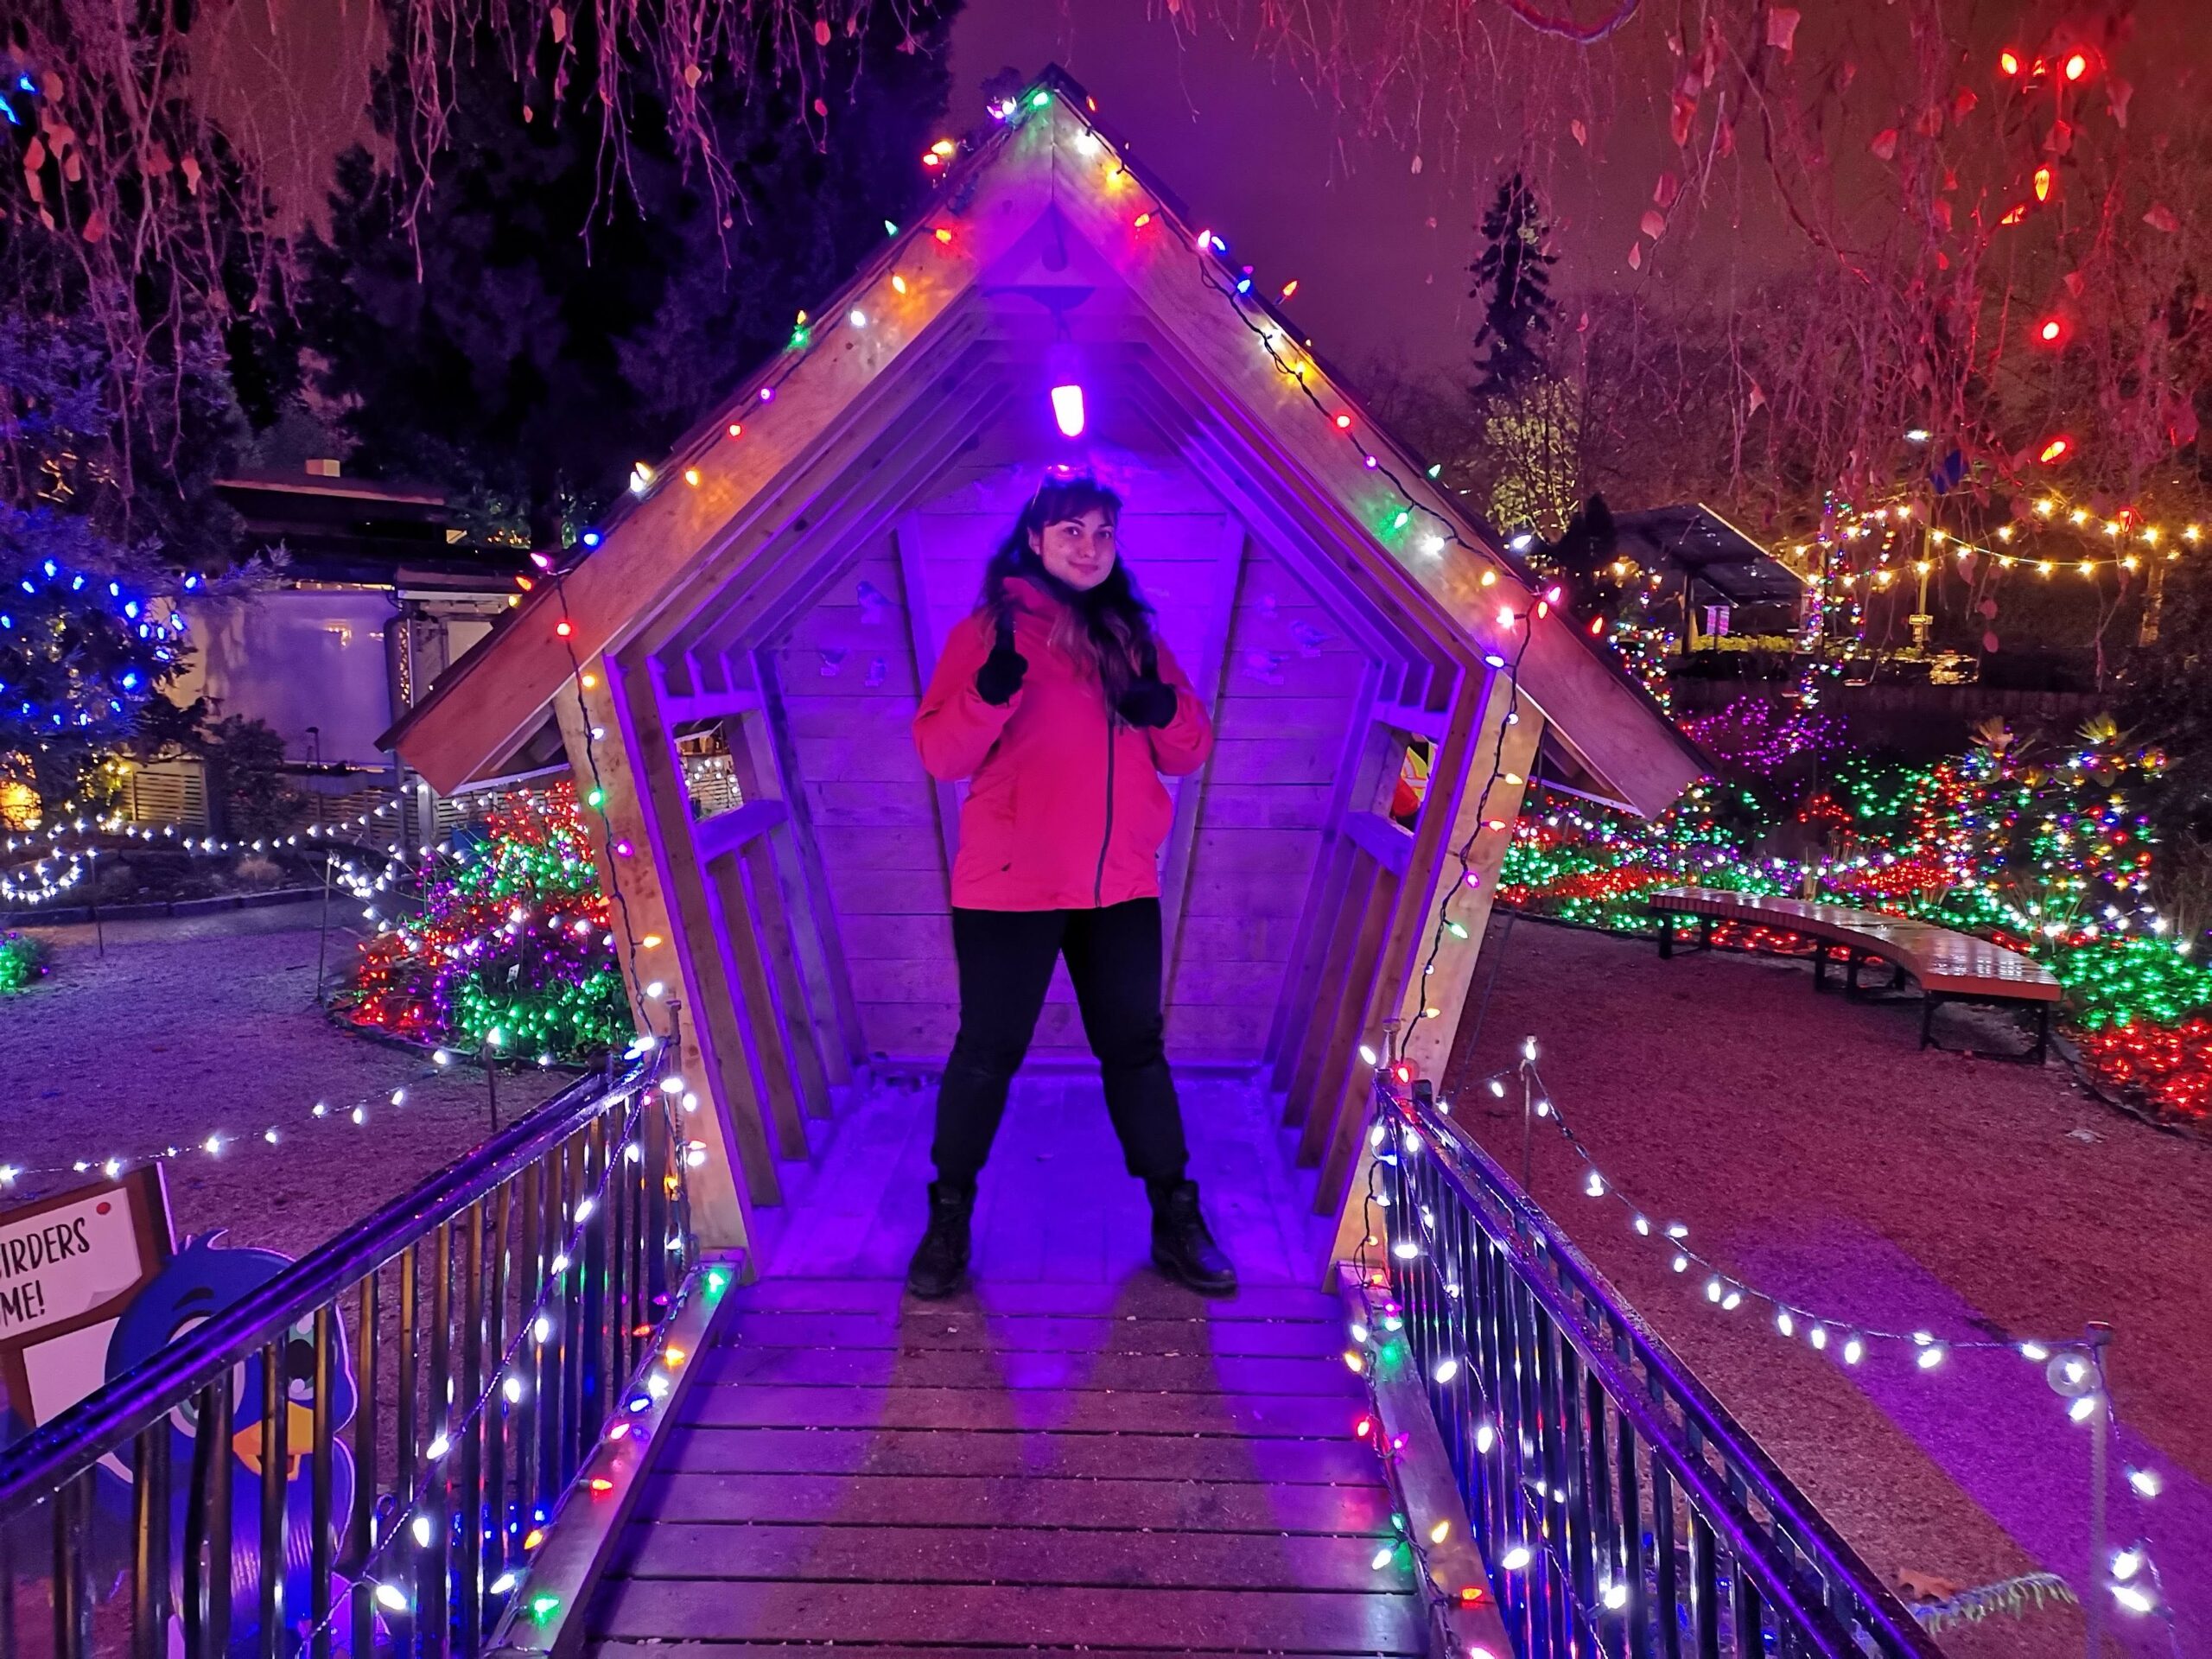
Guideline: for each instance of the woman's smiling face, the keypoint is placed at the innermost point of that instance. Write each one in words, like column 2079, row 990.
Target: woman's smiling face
column 1078, row 550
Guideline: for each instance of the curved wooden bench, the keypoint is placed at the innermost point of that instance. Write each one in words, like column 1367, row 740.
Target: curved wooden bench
column 1949, row 966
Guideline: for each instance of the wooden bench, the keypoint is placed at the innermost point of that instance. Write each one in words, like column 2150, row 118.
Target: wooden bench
column 1949, row 966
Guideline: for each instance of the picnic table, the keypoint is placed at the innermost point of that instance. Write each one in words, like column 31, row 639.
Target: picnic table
column 1949, row 966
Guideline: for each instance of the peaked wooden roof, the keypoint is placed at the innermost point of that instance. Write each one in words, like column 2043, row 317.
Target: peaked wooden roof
column 871, row 345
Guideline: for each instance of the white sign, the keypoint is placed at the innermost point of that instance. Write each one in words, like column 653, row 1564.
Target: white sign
column 58, row 1264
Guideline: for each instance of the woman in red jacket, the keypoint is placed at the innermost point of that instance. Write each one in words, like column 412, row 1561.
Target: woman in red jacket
column 1060, row 705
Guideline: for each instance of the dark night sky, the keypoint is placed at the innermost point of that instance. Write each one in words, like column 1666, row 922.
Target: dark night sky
column 1379, row 251
column 1262, row 162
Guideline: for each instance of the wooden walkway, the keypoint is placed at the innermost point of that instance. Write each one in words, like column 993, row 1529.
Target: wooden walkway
column 1075, row 1455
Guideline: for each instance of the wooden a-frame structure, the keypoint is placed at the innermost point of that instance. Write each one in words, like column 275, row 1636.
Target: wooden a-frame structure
column 782, row 584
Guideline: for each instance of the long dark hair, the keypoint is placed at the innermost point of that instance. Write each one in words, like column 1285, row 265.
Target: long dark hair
column 1107, row 628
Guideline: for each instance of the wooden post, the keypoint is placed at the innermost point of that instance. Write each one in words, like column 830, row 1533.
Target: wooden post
column 1429, row 1042
column 602, row 754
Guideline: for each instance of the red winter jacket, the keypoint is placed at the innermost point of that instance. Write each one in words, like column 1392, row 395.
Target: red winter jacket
column 1065, row 810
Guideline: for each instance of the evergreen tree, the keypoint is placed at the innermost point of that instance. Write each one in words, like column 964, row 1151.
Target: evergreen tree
column 525, row 314
column 2167, row 705
column 83, row 646
column 1513, row 279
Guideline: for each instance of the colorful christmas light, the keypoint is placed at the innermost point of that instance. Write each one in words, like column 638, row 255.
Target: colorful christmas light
column 513, row 951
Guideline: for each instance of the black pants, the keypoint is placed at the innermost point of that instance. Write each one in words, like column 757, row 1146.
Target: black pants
column 1005, row 966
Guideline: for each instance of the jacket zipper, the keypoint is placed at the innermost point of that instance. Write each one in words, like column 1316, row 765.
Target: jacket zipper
column 1098, row 885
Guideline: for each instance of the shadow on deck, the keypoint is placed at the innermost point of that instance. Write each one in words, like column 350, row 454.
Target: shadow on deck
column 1073, row 1455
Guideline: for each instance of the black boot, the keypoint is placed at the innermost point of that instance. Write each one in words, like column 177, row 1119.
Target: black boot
column 1181, row 1247
column 940, row 1265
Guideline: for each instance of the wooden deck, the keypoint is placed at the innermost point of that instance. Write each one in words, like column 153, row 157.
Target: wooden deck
column 1074, row 1455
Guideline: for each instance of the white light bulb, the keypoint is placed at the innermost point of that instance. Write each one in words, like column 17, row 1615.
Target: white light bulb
column 1820, row 1336
column 2144, row 1481
column 542, row 1328
column 1515, row 1558
column 1929, row 1358
column 584, row 1209
column 1853, row 1350
column 2034, row 1350
column 560, row 1263
column 1405, row 1249
column 2126, row 1563
column 1784, row 1323
column 2082, row 1409
column 1594, row 1184
column 438, row 1448
column 1368, row 1054
column 422, row 1530
column 1445, row 1369
column 391, row 1597
column 512, row 1389
column 1485, row 1437
column 2134, row 1598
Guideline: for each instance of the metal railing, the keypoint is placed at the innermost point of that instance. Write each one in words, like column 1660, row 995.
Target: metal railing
column 1620, row 1510
column 399, row 1412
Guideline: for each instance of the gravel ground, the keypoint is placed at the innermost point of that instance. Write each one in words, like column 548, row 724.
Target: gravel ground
column 1811, row 1147
column 193, row 1025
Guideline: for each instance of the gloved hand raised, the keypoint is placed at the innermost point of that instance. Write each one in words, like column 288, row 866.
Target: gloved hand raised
column 1149, row 702
column 1000, row 676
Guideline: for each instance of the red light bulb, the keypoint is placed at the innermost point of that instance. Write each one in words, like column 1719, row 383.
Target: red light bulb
column 2008, row 63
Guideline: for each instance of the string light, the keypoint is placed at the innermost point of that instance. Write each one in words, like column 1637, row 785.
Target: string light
column 2133, row 1573
column 415, row 1521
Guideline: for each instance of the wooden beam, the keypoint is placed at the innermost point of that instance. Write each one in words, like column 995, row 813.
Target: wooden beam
column 1371, row 758
column 1334, row 1044
column 725, row 832
column 1422, row 722
column 694, row 931
column 637, row 894
column 806, row 886
column 678, row 707
column 1390, row 845
column 803, row 1022
column 1429, row 1044
column 1403, row 952
column 767, row 1039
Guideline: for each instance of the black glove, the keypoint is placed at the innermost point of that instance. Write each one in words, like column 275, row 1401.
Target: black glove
column 1149, row 701
column 1000, row 676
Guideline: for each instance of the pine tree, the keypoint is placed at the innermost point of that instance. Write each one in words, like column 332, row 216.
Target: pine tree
column 514, row 940
column 83, row 646
column 1513, row 279
column 525, row 315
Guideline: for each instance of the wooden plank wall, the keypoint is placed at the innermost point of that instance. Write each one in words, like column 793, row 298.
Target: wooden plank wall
column 846, row 687
column 1290, row 687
